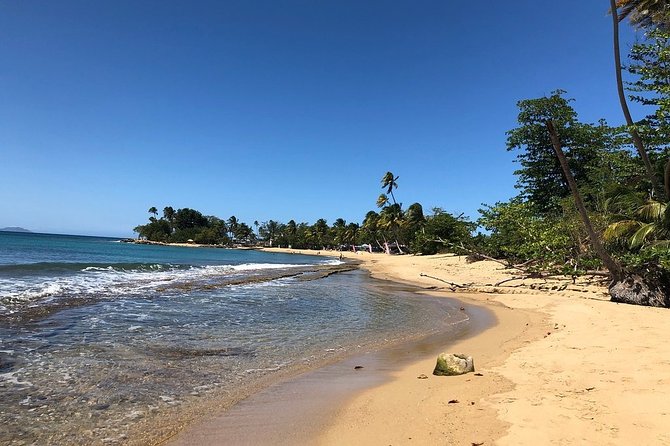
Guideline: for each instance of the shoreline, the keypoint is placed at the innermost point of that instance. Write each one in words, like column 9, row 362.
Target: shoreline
column 304, row 421
column 315, row 396
column 563, row 365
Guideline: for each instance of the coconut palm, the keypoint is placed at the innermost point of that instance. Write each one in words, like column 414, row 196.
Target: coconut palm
column 351, row 234
column 389, row 182
column 371, row 227
column 382, row 200
column 233, row 225
column 629, row 8
column 391, row 219
column 645, row 13
column 650, row 229
column 153, row 210
column 612, row 266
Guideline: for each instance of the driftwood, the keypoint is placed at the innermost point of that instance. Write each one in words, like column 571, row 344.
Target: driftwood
column 454, row 285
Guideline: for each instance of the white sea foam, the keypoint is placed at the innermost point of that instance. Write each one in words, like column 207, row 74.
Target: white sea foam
column 263, row 266
column 10, row 378
column 110, row 281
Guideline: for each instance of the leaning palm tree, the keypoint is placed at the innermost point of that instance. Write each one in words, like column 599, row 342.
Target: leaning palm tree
column 612, row 266
column 628, row 8
column 389, row 182
column 153, row 210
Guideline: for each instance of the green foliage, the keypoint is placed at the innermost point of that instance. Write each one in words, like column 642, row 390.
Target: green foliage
column 650, row 63
column 183, row 225
column 442, row 232
column 550, row 242
column 540, row 177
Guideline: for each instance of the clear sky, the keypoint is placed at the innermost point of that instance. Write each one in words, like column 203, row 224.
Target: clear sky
column 278, row 109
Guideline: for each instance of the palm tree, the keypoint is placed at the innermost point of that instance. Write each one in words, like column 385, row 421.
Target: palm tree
column 351, row 233
column 233, row 225
column 371, row 226
column 339, row 227
column 650, row 229
column 612, row 266
column 631, row 7
column 391, row 218
column 382, row 200
column 645, row 13
column 389, row 183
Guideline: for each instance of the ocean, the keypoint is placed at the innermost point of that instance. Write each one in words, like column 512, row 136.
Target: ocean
column 103, row 342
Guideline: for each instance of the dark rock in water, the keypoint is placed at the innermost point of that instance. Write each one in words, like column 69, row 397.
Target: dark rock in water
column 6, row 364
column 187, row 353
column 358, row 367
column 651, row 290
column 451, row 365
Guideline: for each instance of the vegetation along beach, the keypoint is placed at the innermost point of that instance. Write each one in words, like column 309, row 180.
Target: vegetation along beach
column 335, row 223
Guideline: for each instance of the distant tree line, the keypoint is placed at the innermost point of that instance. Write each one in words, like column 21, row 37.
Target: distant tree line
column 392, row 229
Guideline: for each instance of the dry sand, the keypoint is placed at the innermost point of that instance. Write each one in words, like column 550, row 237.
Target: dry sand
column 563, row 366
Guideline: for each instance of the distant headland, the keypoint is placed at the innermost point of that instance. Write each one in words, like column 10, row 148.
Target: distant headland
column 14, row 229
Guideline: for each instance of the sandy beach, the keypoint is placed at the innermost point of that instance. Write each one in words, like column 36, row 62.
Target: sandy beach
column 562, row 366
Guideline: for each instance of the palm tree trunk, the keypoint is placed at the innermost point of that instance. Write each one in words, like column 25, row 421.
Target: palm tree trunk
column 612, row 266
column 656, row 190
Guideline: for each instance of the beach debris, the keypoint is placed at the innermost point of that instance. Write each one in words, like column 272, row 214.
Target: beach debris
column 453, row 364
column 588, row 389
column 422, row 376
column 452, row 284
column 479, row 374
column 453, row 402
column 477, row 444
column 358, row 367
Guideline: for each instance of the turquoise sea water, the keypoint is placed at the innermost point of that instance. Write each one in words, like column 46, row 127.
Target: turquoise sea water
column 102, row 340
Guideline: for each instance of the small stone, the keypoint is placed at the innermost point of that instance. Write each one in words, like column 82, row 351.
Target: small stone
column 358, row 367
column 422, row 376
column 453, row 402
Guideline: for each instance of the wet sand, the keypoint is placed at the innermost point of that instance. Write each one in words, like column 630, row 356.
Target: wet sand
column 298, row 410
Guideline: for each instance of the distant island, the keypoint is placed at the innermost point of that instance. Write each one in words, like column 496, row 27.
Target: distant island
column 14, row 229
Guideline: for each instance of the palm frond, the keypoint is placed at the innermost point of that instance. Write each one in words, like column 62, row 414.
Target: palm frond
column 382, row 200
column 660, row 245
column 652, row 210
column 640, row 236
column 621, row 229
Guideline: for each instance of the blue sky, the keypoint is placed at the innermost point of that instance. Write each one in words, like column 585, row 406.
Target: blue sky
column 277, row 109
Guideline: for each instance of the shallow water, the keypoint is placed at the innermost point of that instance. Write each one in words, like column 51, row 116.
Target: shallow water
column 120, row 363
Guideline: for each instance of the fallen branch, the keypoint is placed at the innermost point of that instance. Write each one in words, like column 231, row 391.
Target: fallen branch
column 456, row 285
column 509, row 280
